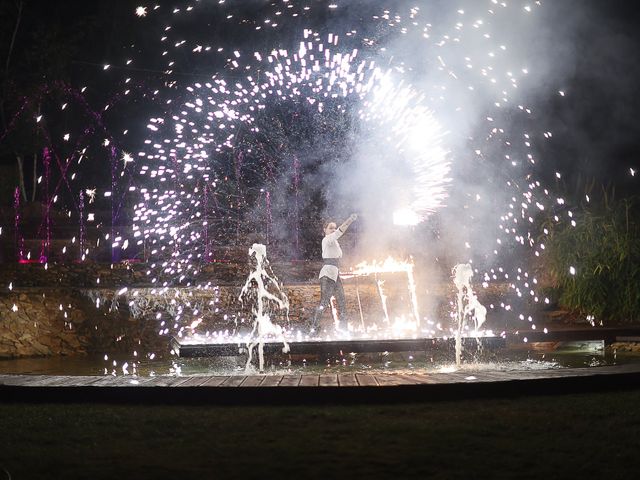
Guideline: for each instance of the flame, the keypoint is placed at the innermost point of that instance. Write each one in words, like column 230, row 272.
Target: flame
column 390, row 265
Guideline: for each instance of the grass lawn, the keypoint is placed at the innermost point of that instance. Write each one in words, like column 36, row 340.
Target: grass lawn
column 586, row 436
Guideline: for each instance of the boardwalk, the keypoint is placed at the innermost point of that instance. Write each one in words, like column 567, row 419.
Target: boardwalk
column 294, row 388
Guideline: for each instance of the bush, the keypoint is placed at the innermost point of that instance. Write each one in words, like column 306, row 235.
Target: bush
column 604, row 250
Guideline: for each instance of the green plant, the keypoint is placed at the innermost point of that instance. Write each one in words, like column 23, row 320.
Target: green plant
column 595, row 265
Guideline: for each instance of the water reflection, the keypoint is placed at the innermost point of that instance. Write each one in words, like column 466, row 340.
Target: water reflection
column 534, row 357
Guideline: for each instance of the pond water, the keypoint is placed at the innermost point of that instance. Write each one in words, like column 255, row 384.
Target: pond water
column 534, row 357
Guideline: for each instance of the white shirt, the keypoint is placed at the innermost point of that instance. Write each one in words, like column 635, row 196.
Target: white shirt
column 331, row 249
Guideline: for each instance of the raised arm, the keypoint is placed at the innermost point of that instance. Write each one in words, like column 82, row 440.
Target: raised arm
column 347, row 222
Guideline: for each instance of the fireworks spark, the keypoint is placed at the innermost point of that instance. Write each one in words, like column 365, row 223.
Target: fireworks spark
column 213, row 151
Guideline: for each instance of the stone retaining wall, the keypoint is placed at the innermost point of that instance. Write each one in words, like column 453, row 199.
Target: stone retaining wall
column 117, row 275
column 40, row 324
column 63, row 310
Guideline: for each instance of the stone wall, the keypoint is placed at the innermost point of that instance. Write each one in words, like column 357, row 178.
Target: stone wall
column 132, row 274
column 40, row 324
column 144, row 318
column 63, row 310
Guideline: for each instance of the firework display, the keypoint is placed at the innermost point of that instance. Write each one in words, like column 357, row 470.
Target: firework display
column 262, row 119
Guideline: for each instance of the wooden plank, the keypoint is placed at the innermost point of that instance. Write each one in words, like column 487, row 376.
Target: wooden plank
column 522, row 375
column 166, row 381
column 327, row 380
column 309, row 380
column 49, row 380
column 496, row 376
column 408, row 378
column 15, row 380
column 146, row 381
column 22, row 380
column 290, row 380
column 104, row 380
column 553, row 373
column 214, row 381
column 340, row 379
column 76, row 381
column 573, row 372
column 629, row 368
column 271, row 381
column 446, row 378
column 366, row 380
column 487, row 377
column 347, row 380
column 233, row 381
column 131, row 381
column 420, row 379
column 194, row 381
column 253, row 381
column 44, row 380
column 116, row 381
column 392, row 380
column 462, row 377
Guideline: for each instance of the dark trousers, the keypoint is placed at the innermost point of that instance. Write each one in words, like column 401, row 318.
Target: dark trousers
column 328, row 289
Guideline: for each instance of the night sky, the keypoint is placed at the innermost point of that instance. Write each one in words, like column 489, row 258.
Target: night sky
column 595, row 126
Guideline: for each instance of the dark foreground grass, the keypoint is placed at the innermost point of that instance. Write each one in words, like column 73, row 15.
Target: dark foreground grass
column 587, row 436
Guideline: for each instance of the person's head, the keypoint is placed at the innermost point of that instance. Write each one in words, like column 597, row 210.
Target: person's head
column 329, row 228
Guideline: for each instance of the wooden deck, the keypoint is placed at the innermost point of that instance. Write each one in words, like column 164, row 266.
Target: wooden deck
column 302, row 388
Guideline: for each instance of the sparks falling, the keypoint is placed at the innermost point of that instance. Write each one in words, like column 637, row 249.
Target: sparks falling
column 213, row 128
